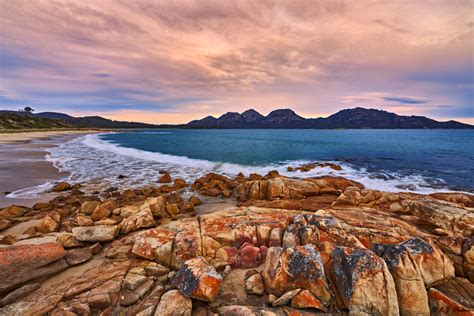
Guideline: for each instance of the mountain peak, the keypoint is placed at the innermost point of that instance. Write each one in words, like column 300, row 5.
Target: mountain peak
column 285, row 117
column 355, row 118
column 251, row 116
column 229, row 114
column 283, row 112
column 250, row 111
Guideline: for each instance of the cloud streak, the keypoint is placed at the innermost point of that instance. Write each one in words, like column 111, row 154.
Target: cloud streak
column 380, row 97
column 201, row 57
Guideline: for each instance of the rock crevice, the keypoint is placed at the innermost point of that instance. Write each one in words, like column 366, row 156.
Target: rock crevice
column 291, row 246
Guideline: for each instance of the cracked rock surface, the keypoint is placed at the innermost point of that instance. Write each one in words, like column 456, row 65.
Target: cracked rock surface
column 254, row 245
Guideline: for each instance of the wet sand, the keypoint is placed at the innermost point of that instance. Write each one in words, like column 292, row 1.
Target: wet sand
column 23, row 163
column 20, row 137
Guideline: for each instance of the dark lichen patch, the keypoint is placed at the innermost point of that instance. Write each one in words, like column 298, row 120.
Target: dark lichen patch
column 292, row 228
column 322, row 221
column 364, row 260
column 330, row 222
column 299, row 220
column 349, row 264
column 306, row 265
column 393, row 253
column 467, row 244
column 379, row 249
column 342, row 272
column 306, row 232
column 418, row 246
column 185, row 280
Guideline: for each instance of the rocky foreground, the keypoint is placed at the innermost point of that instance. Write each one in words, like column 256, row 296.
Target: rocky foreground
column 280, row 246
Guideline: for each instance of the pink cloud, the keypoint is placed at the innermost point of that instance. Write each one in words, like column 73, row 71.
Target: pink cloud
column 183, row 55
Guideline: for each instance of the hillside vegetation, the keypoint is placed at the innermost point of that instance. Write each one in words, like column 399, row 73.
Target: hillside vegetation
column 22, row 120
column 10, row 121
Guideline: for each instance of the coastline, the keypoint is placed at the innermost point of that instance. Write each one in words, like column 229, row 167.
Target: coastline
column 23, row 162
column 229, row 239
column 11, row 137
column 101, row 164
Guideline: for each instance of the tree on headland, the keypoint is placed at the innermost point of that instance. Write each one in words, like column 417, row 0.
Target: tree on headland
column 27, row 110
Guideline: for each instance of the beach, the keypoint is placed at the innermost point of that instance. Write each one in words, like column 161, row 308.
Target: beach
column 135, row 229
column 23, row 162
column 131, row 159
column 21, row 137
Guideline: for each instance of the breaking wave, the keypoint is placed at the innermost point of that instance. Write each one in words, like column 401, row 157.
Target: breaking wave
column 103, row 163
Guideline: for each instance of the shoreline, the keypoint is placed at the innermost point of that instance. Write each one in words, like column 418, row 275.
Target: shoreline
column 11, row 137
column 23, row 165
column 23, row 162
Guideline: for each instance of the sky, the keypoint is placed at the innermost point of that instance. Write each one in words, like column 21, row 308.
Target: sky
column 174, row 61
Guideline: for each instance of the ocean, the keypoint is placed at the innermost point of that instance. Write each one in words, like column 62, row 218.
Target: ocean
column 422, row 161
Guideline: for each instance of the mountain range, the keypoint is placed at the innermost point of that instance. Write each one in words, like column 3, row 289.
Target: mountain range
column 356, row 118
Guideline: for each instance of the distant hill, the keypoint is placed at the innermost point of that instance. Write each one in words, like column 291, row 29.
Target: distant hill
column 94, row 121
column 54, row 120
column 356, row 118
column 54, row 115
column 371, row 118
column 14, row 121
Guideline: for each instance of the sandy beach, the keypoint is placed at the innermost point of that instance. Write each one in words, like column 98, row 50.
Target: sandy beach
column 21, row 137
column 23, row 163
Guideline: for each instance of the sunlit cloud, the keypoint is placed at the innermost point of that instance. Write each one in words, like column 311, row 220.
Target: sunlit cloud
column 190, row 58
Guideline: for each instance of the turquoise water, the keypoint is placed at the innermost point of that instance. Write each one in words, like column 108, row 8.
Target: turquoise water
column 412, row 159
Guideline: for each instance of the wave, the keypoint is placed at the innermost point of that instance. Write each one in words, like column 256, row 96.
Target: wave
column 94, row 141
column 99, row 163
column 383, row 180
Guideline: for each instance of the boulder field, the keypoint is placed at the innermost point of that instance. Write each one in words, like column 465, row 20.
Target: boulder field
column 279, row 246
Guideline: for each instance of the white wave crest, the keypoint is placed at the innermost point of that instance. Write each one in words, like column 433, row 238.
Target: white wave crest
column 98, row 162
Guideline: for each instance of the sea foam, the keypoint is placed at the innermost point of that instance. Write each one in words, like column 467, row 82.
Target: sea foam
column 98, row 162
